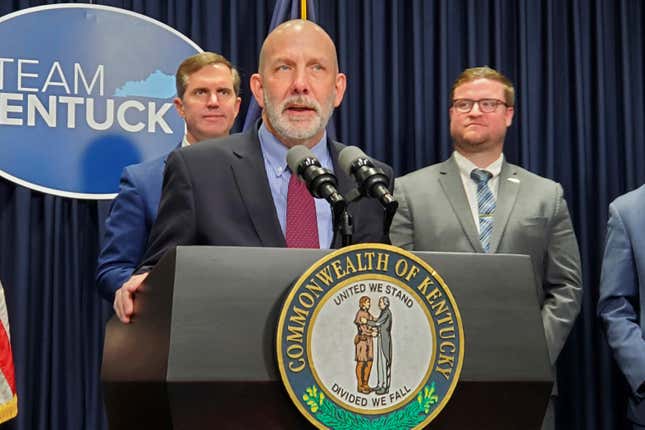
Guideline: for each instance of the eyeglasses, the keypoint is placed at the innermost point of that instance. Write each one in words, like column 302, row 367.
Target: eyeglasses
column 485, row 105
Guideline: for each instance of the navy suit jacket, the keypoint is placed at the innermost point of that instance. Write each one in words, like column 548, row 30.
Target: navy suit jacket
column 132, row 213
column 217, row 193
column 621, row 305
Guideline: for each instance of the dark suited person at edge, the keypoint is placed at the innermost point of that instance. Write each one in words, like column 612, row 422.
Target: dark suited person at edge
column 477, row 202
column 621, row 301
column 208, row 88
column 238, row 191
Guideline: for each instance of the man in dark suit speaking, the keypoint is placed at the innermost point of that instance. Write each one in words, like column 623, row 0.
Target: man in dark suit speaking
column 238, row 191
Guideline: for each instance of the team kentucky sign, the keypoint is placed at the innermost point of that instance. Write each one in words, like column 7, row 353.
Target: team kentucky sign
column 370, row 337
column 84, row 91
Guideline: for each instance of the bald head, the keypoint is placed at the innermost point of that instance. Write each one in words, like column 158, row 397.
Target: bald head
column 293, row 33
column 298, row 84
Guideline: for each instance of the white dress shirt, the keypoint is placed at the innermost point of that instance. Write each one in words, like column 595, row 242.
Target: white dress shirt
column 465, row 167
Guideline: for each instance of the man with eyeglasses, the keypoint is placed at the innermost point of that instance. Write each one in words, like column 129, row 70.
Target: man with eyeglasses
column 477, row 202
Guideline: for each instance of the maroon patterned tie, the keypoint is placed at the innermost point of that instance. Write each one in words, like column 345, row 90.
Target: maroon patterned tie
column 302, row 224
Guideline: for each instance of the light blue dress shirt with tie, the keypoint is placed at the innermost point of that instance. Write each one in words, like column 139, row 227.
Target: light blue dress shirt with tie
column 275, row 163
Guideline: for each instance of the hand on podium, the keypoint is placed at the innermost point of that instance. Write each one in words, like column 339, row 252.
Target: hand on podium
column 124, row 297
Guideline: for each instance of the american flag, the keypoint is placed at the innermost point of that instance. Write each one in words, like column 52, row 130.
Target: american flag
column 8, row 396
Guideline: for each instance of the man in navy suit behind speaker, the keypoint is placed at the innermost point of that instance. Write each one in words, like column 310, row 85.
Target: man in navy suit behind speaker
column 208, row 88
column 239, row 191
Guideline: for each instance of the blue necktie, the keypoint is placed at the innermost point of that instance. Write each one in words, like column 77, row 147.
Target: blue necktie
column 486, row 206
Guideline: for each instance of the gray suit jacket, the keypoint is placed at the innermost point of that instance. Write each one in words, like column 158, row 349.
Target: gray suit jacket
column 531, row 217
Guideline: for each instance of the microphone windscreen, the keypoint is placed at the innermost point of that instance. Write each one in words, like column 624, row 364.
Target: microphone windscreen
column 347, row 156
column 296, row 155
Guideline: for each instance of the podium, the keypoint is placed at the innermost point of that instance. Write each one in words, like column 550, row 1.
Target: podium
column 199, row 352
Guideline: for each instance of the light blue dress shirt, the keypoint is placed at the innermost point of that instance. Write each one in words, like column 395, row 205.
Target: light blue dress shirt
column 275, row 163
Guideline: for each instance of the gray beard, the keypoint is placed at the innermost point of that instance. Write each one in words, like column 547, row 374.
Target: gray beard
column 285, row 128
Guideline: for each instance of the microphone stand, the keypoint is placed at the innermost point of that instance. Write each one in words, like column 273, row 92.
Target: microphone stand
column 343, row 224
column 390, row 206
column 390, row 209
column 346, row 227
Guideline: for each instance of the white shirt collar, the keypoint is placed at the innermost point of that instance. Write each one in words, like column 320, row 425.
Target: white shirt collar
column 466, row 166
column 184, row 141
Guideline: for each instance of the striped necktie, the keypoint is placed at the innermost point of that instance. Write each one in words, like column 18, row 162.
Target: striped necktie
column 486, row 206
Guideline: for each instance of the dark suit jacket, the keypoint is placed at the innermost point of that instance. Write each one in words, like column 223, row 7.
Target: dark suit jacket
column 128, row 225
column 217, row 193
column 621, row 303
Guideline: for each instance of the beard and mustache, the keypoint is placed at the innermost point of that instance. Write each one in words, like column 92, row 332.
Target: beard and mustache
column 295, row 129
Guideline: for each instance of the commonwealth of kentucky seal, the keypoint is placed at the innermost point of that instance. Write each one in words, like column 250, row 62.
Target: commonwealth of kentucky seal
column 370, row 337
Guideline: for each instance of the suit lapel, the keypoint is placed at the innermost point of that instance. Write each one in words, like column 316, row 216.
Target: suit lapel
column 509, row 186
column 250, row 176
column 453, row 188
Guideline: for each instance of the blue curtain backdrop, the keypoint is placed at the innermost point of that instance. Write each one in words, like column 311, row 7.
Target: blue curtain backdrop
column 577, row 66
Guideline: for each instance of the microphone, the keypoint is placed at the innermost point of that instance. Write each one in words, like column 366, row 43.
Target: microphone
column 371, row 180
column 321, row 182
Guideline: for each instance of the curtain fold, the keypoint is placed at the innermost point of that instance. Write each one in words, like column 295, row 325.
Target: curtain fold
column 580, row 119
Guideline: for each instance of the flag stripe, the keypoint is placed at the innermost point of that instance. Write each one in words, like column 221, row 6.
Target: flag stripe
column 8, row 396
column 6, row 359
